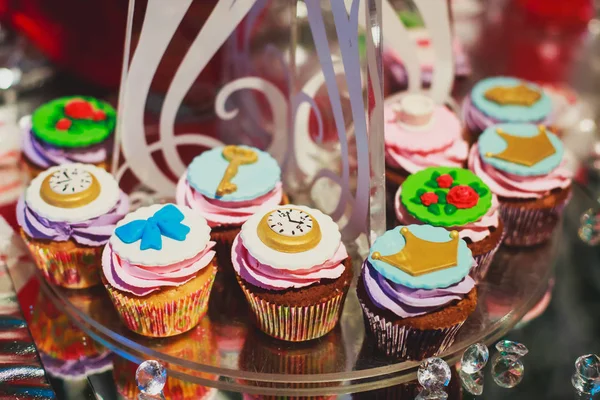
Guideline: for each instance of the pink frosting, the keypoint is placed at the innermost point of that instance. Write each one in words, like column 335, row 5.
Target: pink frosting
column 141, row 280
column 271, row 278
column 217, row 212
column 440, row 144
column 522, row 187
column 475, row 231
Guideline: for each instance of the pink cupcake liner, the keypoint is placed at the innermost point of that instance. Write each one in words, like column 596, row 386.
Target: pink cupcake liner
column 405, row 342
column 295, row 323
column 484, row 261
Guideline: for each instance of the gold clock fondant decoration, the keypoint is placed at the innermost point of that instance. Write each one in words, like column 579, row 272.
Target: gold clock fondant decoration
column 523, row 150
column 520, row 95
column 70, row 187
column 289, row 230
column 419, row 257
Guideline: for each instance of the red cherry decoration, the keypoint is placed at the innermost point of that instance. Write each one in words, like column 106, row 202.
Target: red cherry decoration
column 79, row 109
column 99, row 115
column 63, row 124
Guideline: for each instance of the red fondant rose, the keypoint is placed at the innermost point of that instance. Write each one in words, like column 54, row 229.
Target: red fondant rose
column 462, row 196
column 99, row 115
column 79, row 109
column 429, row 198
column 444, row 181
column 63, row 124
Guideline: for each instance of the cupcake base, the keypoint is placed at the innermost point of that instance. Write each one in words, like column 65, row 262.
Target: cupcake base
column 67, row 264
column 484, row 250
column 532, row 221
column 168, row 312
column 419, row 337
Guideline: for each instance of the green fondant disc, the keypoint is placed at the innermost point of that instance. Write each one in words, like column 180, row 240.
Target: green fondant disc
column 466, row 200
column 82, row 132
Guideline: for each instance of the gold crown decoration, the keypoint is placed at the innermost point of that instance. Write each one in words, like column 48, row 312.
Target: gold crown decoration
column 520, row 95
column 420, row 257
column 526, row 151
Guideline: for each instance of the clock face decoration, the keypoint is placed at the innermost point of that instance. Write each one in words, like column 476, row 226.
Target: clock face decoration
column 289, row 230
column 70, row 187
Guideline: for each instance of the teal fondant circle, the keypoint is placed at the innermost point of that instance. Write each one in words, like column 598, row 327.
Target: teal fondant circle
column 510, row 113
column 491, row 142
column 253, row 180
column 393, row 241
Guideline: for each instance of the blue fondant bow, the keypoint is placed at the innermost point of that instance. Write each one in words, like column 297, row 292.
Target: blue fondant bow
column 164, row 222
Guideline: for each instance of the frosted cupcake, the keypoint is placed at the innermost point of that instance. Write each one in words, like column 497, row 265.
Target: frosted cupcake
column 226, row 185
column 504, row 99
column 421, row 134
column 456, row 199
column 158, row 268
column 67, row 215
column 69, row 130
column 294, row 271
column 524, row 165
column 415, row 290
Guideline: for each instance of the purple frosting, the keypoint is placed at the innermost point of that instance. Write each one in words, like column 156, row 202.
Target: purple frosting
column 477, row 121
column 44, row 155
column 93, row 232
column 406, row 302
column 77, row 368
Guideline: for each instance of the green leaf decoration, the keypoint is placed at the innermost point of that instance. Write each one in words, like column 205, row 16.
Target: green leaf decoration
column 474, row 185
column 431, row 184
column 481, row 191
column 421, row 192
column 450, row 209
column 452, row 174
column 441, row 196
column 416, row 200
column 435, row 175
column 434, row 209
column 455, row 184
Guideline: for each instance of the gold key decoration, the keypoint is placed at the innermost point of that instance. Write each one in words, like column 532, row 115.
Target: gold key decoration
column 236, row 155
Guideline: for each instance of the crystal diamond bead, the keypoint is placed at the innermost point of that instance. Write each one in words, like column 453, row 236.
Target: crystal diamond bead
column 474, row 358
column 473, row 383
column 586, row 378
column 433, row 373
column 589, row 230
column 426, row 394
column 510, row 347
column 151, row 377
column 507, row 370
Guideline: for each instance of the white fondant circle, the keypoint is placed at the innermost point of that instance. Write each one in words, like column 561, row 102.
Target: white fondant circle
column 108, row 198
column 172, row 250
column 330, row 241
column 283, row 226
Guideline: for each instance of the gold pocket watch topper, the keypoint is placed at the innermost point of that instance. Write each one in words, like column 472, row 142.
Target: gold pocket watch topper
column 289, row 230
column 70, row 187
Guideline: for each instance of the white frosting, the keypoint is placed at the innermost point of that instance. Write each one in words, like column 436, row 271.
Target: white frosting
column 330, row 241
column 108, row 198
column 172, row 250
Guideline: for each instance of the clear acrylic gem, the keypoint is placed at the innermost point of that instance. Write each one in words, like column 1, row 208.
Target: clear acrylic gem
column 151, row 377
column 510, row 347
column 474, row 358
column 427, row 394
column 589, row 230
column 433, row 373
column 473, row 383
column 587, row 374
column 507, row 370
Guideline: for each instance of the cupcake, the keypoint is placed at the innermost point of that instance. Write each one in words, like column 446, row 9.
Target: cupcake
column 69, row 130
column 456, row 199
column 158, row 268
column 226, row 185
column 420, row 134
column 294, row 271
column 503, row 99
column 524, row 165
column 67, row 215
column 415, row 290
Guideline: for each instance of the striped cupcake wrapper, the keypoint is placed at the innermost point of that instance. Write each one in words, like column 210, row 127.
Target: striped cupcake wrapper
column 484, row 261
column 162, row 319
column 295, row 323
column 76, row 269
column 405, row 342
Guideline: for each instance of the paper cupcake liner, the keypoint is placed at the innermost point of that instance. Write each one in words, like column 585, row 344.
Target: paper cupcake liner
column 77, row 268
column 162, row 318
column 528, row 227
column 484, row 261
column 405, row 342
column 294, row 323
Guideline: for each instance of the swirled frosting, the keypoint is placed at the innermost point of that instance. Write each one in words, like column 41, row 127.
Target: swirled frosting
column 91, row 232
column 218, row 212
column 440, row 144
column 141, row 280
column 475, row 231
column 406, row 302
column 268, row 277
column 513, row 186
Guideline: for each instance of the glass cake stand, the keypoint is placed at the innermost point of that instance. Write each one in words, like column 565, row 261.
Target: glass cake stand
column 227, row 352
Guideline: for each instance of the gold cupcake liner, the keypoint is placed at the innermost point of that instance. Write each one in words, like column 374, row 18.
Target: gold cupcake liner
column 77, row 268
column 164, row 318
column 294, row 323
